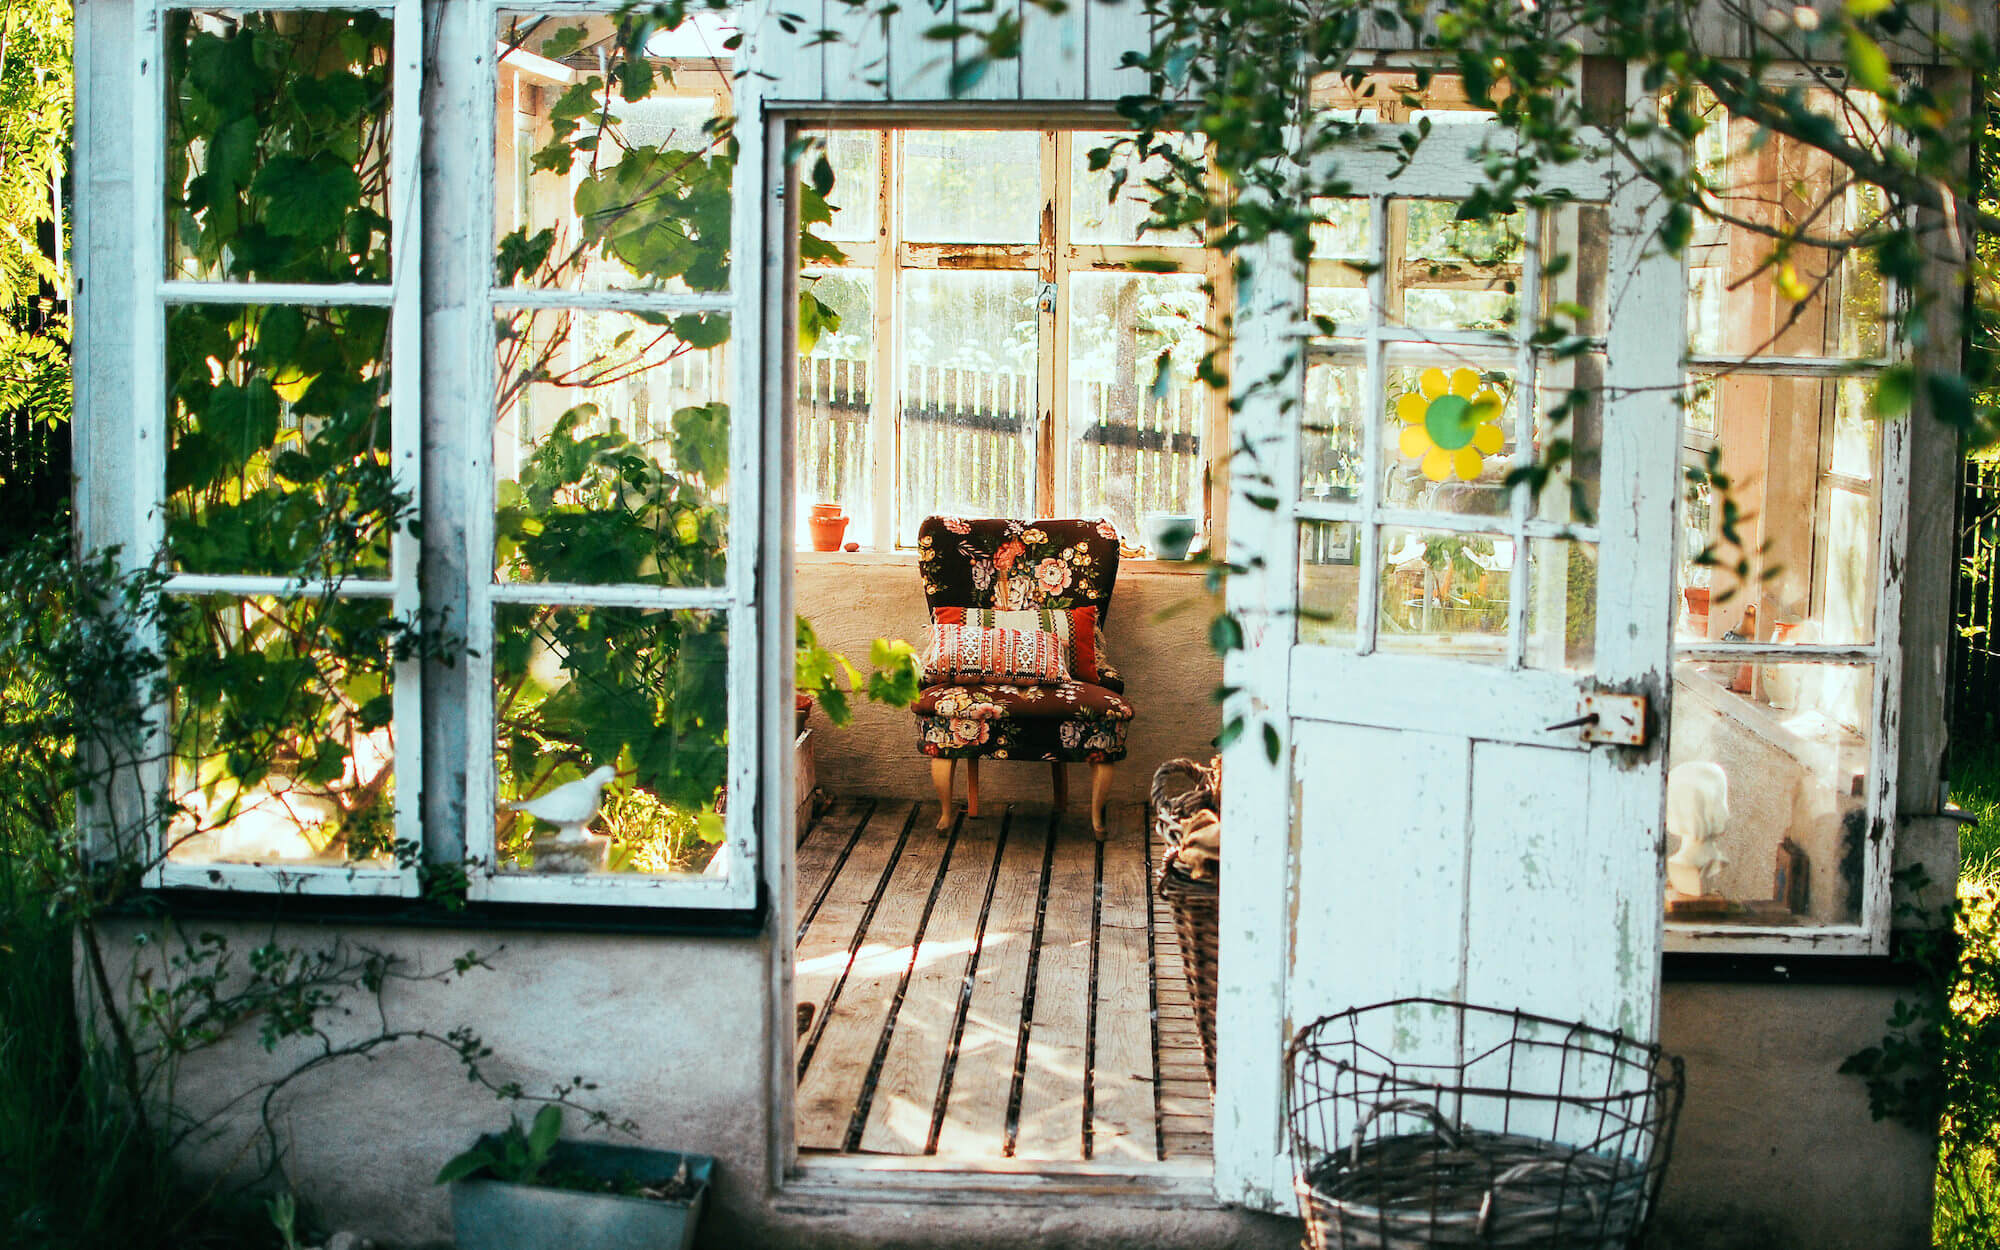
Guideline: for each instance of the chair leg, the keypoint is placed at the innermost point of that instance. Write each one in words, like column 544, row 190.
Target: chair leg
column 1062, row 786
column 941, row 771
column 972, row 787
column 1100, row 790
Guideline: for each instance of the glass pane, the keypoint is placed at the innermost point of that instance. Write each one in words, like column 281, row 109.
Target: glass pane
column 1330, row 438
column 1095, row 218
column 611, row 449
column 1562, row 605
column 835, row 456
column 1446, row 274
column 1444, row 594
column 277, row 155
column 972, row 186
column 1750, row 294
column 1336, row 289
column 1345, row 306
column 1137, row 417
column 1450, row 441
column 967, row 418
column 1569, row 437
column 1767, row 785
column 284, row 745
column 856, row 157
column 642, row 696
column 619, row 185
column 1802, row 565
column 1576, row 243
column 1329, row 582
column 278, row 441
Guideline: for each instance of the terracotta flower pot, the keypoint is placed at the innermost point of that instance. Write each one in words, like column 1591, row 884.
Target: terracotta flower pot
column 828, row 526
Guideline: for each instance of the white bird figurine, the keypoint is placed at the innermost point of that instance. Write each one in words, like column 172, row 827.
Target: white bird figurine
column 1697, row 813
column 570, row 806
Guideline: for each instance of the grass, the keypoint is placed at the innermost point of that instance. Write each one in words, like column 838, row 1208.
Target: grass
column 1975, row 787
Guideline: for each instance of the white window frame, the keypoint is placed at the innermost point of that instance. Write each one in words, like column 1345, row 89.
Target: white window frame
column 1870, row 934
column 736, row 600
column 1055, row 257
column 153, row 292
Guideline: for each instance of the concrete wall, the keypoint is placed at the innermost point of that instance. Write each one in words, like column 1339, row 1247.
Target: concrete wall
column 1156, row 636
column 1776, row 1149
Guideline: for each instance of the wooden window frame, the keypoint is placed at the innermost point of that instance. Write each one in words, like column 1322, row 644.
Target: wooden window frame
column 1870, row 933
column 153, row 293
column 1055, row 257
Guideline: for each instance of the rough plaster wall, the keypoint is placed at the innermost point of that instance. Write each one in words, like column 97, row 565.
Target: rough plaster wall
column 1157, row 638
column 1776, row 1149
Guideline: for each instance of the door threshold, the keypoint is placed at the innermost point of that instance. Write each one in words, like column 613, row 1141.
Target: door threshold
column 970, row 1180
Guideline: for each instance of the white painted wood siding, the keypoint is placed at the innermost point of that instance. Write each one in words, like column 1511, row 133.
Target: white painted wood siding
column 823, row 51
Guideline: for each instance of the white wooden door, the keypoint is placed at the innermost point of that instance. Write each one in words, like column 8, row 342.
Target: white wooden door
column 1401, row 818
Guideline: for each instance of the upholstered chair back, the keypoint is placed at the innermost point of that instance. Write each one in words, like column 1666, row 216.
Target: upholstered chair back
column 1012, row 565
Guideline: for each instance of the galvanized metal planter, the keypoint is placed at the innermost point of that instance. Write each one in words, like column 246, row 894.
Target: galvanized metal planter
column 488, row 1214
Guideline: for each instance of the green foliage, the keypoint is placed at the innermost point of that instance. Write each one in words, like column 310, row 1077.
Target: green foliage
column 515, row 1156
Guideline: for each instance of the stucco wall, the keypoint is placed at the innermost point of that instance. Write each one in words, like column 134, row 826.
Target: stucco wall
column 1156, row 635
column 1776, row 1150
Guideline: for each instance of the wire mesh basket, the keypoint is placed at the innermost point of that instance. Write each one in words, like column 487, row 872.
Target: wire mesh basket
column 1423, row 1123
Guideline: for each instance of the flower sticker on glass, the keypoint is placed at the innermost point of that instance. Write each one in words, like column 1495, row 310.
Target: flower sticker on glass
column 1450, row 424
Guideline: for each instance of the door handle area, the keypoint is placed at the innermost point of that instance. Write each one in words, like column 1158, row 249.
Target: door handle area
column 1607, row 716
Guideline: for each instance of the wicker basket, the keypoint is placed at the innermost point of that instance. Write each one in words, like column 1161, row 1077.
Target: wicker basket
column 1180, row 789
column 1533, row 1133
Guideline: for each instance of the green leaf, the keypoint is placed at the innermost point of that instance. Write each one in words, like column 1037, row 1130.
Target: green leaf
column 1951, row 398
column 463, row 1166
column 1867, row 63
column 1225, row 634
column 1271, row 742
column 306, row 199
column 635, row 79
column 547, row 1127
column 822, row 176
column 1894, row 391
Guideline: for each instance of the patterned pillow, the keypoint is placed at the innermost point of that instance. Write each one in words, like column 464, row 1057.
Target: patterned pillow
column 1076, row 627
column 968, row 655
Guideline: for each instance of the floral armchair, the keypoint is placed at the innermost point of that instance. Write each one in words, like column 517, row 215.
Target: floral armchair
column 1010, row 566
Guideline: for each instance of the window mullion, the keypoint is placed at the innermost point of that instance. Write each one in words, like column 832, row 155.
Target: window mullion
column 885, row 396
column 1052, row 381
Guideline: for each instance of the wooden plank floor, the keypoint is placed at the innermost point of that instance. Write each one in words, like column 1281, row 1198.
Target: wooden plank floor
column 1009, row 989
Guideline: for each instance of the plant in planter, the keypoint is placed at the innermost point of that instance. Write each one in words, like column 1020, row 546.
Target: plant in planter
column 527, row 1189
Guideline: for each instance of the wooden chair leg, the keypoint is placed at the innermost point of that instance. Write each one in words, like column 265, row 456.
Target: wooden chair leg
column 1100, row 790
column 1062, row 786
column 972, row 787
column 941, row 771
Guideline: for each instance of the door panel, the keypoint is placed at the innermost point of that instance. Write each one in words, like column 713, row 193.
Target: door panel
column 1436, row 836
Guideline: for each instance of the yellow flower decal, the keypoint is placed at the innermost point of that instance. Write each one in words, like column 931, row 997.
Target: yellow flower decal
column 1450, row 425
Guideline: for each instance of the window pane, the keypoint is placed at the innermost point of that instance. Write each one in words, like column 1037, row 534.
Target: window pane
column 1748, row 294
column 1337, row 284
column 611, row 449
column 1446, row 274
column 1799, row 455
column 1330, row 438
column 1329, row 581
column 1767, row 808
column 1137, row 417
column 967, row 418
column 619, row 185
column 976, row 186
column 1569, row 436
column 856, row 157
column 1576, row 243
column 1095, row 218
column 1450, row 434
column 1444, row 594
column 1562, row 605
column 283, row 744
column 278, row 441
column 836, row 462
column 277, row 155
column 642, row 693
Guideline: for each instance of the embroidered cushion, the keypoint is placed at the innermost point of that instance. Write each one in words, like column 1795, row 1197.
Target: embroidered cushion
column 1082, row 645
column 977, row 655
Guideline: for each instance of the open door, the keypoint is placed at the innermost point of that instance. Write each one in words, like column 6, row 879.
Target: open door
column 1419, row 806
